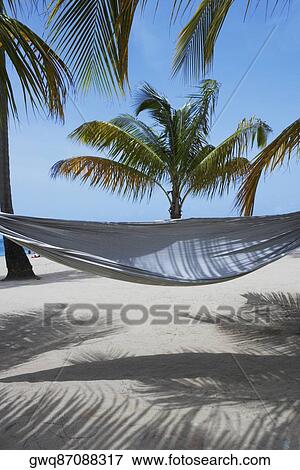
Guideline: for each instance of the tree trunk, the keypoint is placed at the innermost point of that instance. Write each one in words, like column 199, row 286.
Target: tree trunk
column 18, row 265
column 176, row 207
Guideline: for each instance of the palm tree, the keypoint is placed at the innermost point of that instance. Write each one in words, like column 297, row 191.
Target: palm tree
column 44, row 80
column 173, row 155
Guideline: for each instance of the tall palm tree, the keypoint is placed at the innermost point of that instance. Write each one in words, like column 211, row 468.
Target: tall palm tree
column 174, row 154
column 44, row 80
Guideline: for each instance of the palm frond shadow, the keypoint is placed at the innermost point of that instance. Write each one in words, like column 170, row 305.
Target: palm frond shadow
column 101, row 418
column 270, row 324
column 24, row 336
column 282, row 309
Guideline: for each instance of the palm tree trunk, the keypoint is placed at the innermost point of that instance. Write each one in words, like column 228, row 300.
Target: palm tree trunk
column 18, row 265
column 176, row 207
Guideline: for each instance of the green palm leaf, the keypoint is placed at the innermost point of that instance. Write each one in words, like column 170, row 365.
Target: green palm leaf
column 150, row 100
column 195, row 47
column 274, row 155
column 249, row 133
column 43, row 76
column 196, row 43
column 126, row 139
column 205, row 102
column 92, row 36
column 219, row 182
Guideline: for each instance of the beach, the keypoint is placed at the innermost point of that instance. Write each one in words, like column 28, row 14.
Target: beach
column 193, row 383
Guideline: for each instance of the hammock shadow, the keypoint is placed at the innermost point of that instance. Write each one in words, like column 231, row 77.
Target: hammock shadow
column 225, row 367
column 209, row 257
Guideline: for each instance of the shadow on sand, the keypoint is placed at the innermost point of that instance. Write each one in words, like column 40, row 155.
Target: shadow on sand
column 224, row 367
column 24, row 336
column 190, row 399
column 69, row 275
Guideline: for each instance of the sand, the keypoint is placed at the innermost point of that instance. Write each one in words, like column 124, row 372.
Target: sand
column 197, row 383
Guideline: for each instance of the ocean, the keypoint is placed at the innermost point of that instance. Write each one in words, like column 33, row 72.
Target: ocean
column 2, row 247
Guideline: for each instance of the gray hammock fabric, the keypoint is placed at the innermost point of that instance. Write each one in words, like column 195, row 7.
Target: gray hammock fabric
column 186, row 252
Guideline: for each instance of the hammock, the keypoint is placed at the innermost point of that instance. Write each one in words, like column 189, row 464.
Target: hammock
column 186, row 252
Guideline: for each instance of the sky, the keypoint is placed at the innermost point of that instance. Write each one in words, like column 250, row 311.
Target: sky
column 256, row 61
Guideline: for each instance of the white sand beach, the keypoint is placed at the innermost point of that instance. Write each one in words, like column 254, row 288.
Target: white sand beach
column 198, row 385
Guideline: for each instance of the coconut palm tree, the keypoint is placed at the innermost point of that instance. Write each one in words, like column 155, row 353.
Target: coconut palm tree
column 174, row 154
column 44, row 80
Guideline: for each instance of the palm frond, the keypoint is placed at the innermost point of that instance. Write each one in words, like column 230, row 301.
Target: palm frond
column 22, row 6
column 122, row 27
column 93, row 36
column 191, row 125
column 149, row 99
column 195, row 46
column 205, row 102
column 196, row 42
column 249, row 133
column 43, row 76
column 106, row 174
column 274, row 155
column 125, row 140
column 219, row 182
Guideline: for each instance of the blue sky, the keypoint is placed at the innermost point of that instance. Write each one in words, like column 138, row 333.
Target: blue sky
column 269, row 89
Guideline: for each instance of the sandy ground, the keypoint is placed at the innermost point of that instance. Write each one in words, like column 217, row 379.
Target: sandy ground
column 199, row 382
